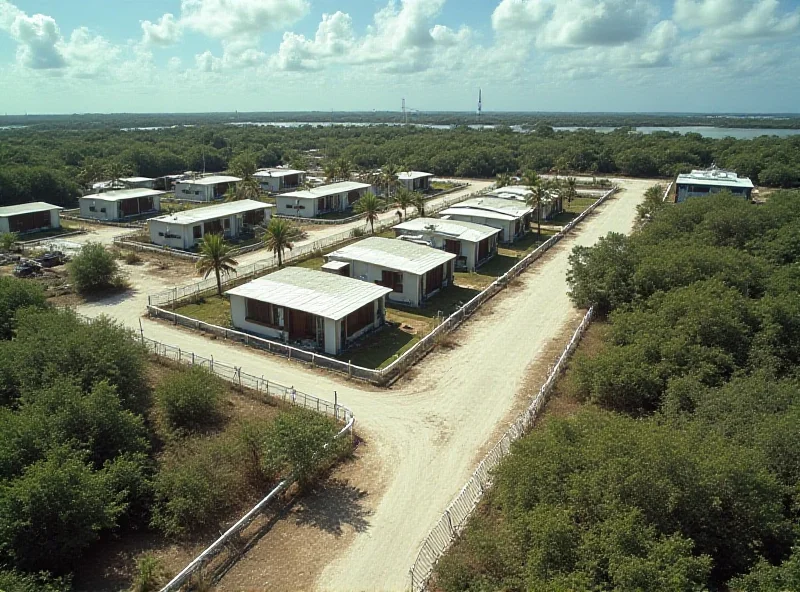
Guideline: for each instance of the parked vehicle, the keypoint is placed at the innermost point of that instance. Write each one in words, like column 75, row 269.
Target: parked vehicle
column 27, row 269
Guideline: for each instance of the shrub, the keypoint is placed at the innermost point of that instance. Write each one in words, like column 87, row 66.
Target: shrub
column 132, row 258
column 190, row 399
column 14, row 581
column 149, row 574
column 94, row 270
column 7, row 240
column 16, row 294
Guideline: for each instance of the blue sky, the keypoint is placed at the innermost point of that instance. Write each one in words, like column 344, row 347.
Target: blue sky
column 81, row 56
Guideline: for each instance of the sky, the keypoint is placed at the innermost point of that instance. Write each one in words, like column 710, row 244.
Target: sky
column 110, row 56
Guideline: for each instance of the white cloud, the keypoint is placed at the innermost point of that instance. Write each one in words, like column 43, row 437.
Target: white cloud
column 520, row 14
column 235, row 18
column 89, row 55
column 207, row 62
column 165, row 31
column 39, row 38
column 735, row 19
column 587, row 23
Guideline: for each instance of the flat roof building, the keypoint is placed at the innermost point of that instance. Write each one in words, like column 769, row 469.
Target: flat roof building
column 326, row 199
column 472, row 244
column 415, row 180
column 311, row 308
column 413, row 272
column 183, row 230
column 700, row 183
column 278, row 179
column 120, row 204
column 29, row 217
column 204, row 188
column 554, row 204
column 512, row 217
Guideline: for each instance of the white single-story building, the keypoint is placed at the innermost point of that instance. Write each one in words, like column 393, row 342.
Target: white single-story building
column 700, row 183
column 277, row 179
column 204, row 188
column 29, row 217
column 415, row 180
column 413, row 272
column 554, row 205
column 310, row 203
column 120, row 203
column 140, row 182
column 311, row 308
column 183, row 230
column 472, row 244
column 510, row 216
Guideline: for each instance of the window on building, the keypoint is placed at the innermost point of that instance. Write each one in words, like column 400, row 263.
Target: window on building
column 264, row 313
column 197, row 193
column 360, row 318
column 103, row 210
column 391, row 279
column 227, row 224
column 197, row 231
column 92, row 209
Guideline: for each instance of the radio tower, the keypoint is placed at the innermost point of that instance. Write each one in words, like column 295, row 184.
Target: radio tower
column 480, row 103
column 405, row 114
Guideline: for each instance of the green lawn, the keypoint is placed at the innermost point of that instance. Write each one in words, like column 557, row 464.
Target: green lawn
column 313, row 263
column 572, row 210
column 380, row 348
column 54, row 232
column 527, row 243
column 214, row 310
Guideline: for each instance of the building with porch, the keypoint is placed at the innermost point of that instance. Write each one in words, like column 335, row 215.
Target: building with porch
column 700, row 183
column 277, row 179
column 472, row 244
column 183, row 230
column 120, row 204
column 512, row 217
column 29, row 217
column 415, row 180
column 326, row 199
column 413, row 272
column 204, row 188
column 309, row 308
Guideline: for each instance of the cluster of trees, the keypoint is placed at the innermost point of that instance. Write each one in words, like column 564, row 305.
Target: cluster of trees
column 91, row 446
column 50, row 165
column 682, row 472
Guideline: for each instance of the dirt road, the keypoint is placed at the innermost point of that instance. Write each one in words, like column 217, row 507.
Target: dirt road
column 429, row 431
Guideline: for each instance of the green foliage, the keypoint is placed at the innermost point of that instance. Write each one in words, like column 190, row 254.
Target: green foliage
column 215, row 258
column 370, row 207
column 602, row 275
column 94, row 270
column 149, row 574
column 51, row 513
column 771, row 578
column 190, row 399
column 300, row 442
column 14, row 581
column 280, row 235
column 15, row 294
column 7, row 240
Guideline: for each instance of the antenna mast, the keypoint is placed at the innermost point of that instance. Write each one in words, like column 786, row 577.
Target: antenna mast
column 480, row 103
column 405, row 113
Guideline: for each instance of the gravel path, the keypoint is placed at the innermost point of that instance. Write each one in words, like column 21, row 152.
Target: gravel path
column 429, row 431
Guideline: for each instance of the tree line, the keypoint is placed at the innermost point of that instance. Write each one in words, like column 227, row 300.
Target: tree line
column 681, row 471
column 56, row 165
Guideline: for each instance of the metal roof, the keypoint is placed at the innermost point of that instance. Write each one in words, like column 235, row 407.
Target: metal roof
column 315, row 292
column 453, row 229
column 136, row 179
column 509, row 209
column 325, row 190
column 211, row 180
column 27, row 208
column 277, row 173
column 714, row 177
column 335, row 265
column 477, row 213
column 120, row 194
column 409, row 175
column 213, row 212
column 394, row 254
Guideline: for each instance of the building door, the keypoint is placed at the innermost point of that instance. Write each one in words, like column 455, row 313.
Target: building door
column 483, row 249
column 434, row 279
column 452, row 246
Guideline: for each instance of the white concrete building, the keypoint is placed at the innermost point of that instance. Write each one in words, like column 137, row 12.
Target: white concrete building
column 183, row 230
column 326, row 199
column 138, row 182
column 700, row 183
column 554, row 204
column 29, row 217
column 413, row 272
column 204, row 188
column 415, row 180
column 309, row 308
column 278, row 179
column 120, row 204
column 512, row 217
column 472, row 244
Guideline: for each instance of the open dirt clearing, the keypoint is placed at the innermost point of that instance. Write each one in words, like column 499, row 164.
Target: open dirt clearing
column 427, row 432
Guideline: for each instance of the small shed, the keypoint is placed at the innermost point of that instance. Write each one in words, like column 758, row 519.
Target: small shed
column 703, row 182
column 413, row 272
column 206, row 188
column 183, row 230
column 326, row 199
column 29, row 217
column 120, row 204
column 415, row 180
column 279, row 179
column 309, row 308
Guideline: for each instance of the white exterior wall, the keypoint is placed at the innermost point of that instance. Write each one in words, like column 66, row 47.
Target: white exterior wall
column 285, row 206
column 190, row 192
column 185, row 232
column 4, row 224
column 507, row 226
column 684, row 193
column 87, row 202
column 238, row 319
column 373, row 274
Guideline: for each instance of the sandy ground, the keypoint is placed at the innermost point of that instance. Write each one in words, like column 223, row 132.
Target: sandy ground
column 424, row 436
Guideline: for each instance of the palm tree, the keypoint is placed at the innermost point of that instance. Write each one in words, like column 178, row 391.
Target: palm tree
column 116, row 171
column 91, row 172
column 418, row 200
column 503, row 180
column 571, row 190
column 371, row 206
column 280, row 235
column 389, row 178
column 215, row 256
column 344, row 168
column 405, row 199
column 539, row 195
column 248, row 189
column 231, row 194
column 331, row 171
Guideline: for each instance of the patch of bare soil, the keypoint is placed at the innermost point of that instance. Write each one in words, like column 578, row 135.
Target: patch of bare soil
column 311, row 530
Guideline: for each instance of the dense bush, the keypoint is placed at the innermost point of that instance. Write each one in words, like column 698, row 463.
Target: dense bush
column 190, row 399
column 95, row 270
column 14, row 295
